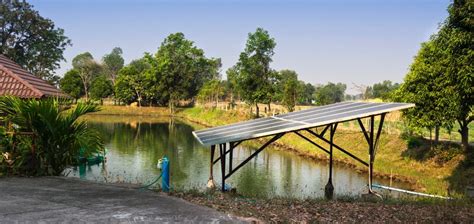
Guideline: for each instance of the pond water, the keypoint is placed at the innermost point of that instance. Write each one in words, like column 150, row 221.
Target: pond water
column 135, row 144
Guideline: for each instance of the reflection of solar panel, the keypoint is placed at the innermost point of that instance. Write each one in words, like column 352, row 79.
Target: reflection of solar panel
column 313, row 117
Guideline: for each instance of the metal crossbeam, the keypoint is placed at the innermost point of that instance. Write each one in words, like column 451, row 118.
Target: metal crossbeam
column 276, row 137
column 310, row 141
column 233, row 146
column 338, row 147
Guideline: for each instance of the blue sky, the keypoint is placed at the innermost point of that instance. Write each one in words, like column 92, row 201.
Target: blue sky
column 362, row 42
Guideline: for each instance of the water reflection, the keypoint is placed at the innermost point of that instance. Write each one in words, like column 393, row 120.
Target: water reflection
column 135, row 144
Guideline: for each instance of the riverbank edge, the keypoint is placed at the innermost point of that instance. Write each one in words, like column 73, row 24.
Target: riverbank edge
column 183, row 114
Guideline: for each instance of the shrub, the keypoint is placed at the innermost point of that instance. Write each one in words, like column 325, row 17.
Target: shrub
column 45, row 135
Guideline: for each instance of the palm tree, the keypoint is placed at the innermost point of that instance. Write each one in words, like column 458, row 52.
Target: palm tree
column 50, row 132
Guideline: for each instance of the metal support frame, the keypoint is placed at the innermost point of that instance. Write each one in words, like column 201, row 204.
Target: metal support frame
column 371, row 137
column 310, row 141
column 337, row 147
column 329, row 189
column 276, row 137
column 234, row 144
column 223, row 153
column 210, row 182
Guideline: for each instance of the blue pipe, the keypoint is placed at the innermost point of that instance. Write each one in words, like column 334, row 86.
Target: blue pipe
column 165, row 173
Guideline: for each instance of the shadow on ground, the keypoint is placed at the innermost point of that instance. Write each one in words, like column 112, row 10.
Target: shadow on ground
column 444, row 154
column 463, row 175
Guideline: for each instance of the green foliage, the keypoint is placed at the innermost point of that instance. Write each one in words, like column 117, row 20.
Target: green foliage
column 425, row 86
column 414, row 142
column 383, row 90
column 307, row 94
column 179, row 69
column 71, row 84
column 87, row 69
column 30, row 39
column 113, row 62
column 457, row 41
column 289, row 89
column 54, row 137
column 253, row 76
column 101, row 88
column 330, row 93
column 133, row 84
column 441, row 79
column 212, row 90
column 232, row 85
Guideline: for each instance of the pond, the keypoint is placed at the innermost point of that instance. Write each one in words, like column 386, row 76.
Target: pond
column 135, row 144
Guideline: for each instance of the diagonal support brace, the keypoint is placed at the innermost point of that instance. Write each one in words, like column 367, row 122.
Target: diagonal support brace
column 232, row 146
column 338, row 147
column 312, row 142
column 276, row 137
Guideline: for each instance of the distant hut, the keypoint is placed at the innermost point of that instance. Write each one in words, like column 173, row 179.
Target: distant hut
column 16, row 81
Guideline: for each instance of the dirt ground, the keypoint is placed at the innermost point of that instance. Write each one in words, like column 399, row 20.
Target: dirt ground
column 342, row 210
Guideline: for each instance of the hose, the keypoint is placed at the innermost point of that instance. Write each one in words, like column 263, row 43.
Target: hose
column 153, row 182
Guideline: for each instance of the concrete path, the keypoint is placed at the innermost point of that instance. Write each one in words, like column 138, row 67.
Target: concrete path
column 56, row 199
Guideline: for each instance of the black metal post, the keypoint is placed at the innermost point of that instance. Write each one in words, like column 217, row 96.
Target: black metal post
column 371, row 152
column 222, row 155
column 234, row 145
column 231, row 155
column 210, row 182
column 329, row 189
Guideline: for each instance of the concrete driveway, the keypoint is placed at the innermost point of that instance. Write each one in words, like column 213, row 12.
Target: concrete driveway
column 57, row 199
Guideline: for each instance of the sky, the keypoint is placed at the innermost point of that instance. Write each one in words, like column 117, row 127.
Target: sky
column 349, row 41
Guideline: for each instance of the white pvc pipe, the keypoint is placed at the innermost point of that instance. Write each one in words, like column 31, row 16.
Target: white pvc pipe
column 409, row 192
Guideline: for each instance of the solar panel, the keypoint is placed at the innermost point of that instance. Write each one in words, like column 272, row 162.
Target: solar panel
column 309, row 118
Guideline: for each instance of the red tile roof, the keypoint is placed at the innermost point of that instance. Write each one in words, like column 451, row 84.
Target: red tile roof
column 16, row 81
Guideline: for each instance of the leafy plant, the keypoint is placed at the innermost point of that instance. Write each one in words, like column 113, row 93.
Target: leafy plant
column 47, row 135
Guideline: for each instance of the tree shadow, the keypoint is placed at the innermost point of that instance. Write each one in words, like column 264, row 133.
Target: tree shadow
column 422, row 150
column 442, row 154
column 463, row 175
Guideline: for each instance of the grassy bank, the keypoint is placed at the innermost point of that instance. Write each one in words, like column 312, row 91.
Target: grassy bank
column 437, row 171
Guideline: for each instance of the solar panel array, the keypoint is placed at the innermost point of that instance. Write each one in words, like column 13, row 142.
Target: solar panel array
column 309, row 118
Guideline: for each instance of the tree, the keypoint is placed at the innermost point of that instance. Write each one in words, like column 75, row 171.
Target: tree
column 457, row 39
column 382, row 90
column 101, row 88
column 180, row 69
column 288, row 89
column 362, row 91
column 307, row 95
column 232, row 84
column 132, row 82
column 330, row 93
column 254, row 77
column 71, row 84
column 445, row 62
column 212, row 90
column 88, row 69
column 113, row 62
column 424, row 85
column 31, row 40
